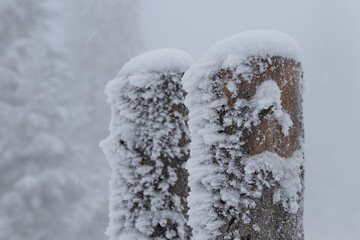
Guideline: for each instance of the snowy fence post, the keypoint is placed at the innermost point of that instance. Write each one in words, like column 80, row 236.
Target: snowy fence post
column 246, row 169
column 148, row 148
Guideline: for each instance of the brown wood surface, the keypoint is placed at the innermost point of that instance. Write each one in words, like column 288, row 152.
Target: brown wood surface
column 272, row 219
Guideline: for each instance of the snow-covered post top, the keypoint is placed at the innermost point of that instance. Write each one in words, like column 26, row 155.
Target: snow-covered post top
column 246, row 166
column 148, row 148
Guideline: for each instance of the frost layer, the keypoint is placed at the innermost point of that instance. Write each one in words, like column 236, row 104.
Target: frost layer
column 161, row 60
column 148, row 147
column 233, row 50
column 226, row 183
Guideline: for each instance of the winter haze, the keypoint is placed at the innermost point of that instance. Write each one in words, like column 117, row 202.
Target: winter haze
column 57, row 56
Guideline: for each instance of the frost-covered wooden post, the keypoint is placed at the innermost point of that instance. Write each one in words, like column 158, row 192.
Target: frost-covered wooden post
column 247, row 162
column 148, row 148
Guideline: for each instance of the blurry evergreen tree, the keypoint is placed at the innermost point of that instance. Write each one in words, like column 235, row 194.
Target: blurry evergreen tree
column 53, row 177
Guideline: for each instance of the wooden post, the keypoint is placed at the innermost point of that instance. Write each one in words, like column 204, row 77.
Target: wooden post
column 254, row 162
column 269, row 219
column 148, row 148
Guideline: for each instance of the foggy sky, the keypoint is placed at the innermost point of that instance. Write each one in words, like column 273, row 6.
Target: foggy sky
column 329, row 35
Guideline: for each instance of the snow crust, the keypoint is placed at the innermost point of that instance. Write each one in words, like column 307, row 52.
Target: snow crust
column 262, row 43
column 268, row 95
column 233, row 50
column 224, row 181
column 160, row 60
column 147, row 125
column 285, row 171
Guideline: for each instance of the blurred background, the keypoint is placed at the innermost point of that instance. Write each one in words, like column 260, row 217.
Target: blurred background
column 57, row 55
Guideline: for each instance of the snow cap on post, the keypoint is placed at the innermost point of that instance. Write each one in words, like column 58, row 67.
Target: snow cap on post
column 148, row 148
column 160, row 60
column 246, row 165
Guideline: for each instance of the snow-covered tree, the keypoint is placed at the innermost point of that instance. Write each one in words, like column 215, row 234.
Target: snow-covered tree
column 38, row 193
column 148, row 148
column 53, row 179
column 15, row 18
column 246, row 165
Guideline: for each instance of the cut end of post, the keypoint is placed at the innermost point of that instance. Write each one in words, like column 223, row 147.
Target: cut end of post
column 232, row 51
column 260, row 43
column 160, row 60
